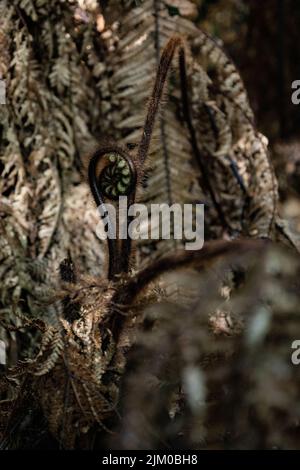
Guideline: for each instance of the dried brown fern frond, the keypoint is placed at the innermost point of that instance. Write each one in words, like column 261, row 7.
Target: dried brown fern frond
column 86, row 353
column 230, row 171
column 52, row 110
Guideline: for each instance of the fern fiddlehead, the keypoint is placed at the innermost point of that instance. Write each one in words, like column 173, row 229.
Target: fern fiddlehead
column 116, row 177
column 119, row 176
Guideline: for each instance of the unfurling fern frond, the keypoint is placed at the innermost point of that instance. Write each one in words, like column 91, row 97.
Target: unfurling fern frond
column 231, row 172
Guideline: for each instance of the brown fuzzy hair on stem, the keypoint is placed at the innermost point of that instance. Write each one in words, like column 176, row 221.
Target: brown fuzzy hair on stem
column 121, row 164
